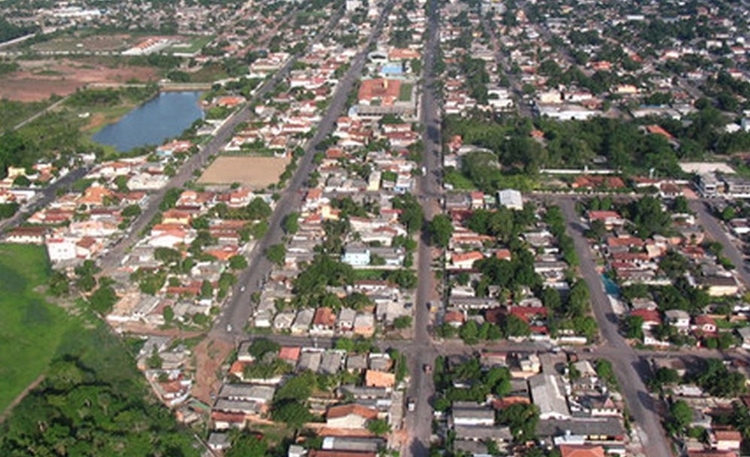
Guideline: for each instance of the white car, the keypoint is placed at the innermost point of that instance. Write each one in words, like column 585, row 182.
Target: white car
column 242, row 289
column 229, row 327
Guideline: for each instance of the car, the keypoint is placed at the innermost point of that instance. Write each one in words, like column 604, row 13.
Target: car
column 242, row 289
column 427, row 368
column 411, row 404
column 229, row 327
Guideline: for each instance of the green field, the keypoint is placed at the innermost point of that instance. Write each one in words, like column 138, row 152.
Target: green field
column 190, row 45
column 404, row 92
column 31, row 329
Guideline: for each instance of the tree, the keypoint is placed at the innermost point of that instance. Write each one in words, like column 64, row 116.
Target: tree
column 469, row 332
column 298, row 388
column 276, row 253
column 167, row 255
column 522, row 419
column 515, row 326
column 681, row 415
column 207, row 289
column 441, row 230
column 131, row 211
column 402, row 322
column 103, row 299
column 378, row 427
column 291, row 223
column 237, row 262
column 262, row 346
column 633, row 326
column 292, row 413
column 168, row 314
column 247, row 445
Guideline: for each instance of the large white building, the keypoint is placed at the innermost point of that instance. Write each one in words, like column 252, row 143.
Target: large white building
column 510, row 198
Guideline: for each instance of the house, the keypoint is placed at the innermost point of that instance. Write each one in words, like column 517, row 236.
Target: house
column 375, row 378
column 364, row 325
column 651, row 318
column 679, row 319
column 609, row 218
column 567, row 450
column 705, row 324
column 720, row 286
column 27, row 235
column 302, row 321
column 465, row 261
column 218, row 441
column 352, row 416
column 324, row 320
column 356, row 256
column 345, row 321
column 472, row 414
column 726, row 440
column 744, row 333
column 510, row 198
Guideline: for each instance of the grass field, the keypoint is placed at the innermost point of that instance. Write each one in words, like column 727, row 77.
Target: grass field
column 404, row 92
column 31, row 328
column 190, row 45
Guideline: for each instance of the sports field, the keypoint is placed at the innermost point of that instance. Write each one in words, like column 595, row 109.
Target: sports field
column 253, row 172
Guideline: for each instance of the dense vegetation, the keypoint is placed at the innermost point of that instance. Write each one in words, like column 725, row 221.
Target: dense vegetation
column 10, row 31
column 92, row 400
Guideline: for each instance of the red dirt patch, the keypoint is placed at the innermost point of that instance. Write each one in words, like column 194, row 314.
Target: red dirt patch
column 209, row 356
column 38, row 80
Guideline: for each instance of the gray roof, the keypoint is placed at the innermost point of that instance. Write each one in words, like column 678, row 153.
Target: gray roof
column 473, row 411
column 470, row 447
column 218, row 440
column 331, row 362
column 247, row 392
column 343, row 443
column 482, row 432
column 309, row 361
column 548, row 394
column 608, row 426
column 356, row 362
column 233, row 406
column 365, row 392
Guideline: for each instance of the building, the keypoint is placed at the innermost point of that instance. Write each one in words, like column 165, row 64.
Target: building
column 548, row 394
column 510, row 199
column 356, row 256
column 472, row 414
column 351, row 416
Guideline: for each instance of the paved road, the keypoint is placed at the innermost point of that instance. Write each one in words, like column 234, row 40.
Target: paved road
column 421, row 387
column 43, row 198
column 718, row 233
column 198, row 162
column 238, row 309
column 628, row 366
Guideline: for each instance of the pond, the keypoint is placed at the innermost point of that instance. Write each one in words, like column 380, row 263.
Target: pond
column 166, row 115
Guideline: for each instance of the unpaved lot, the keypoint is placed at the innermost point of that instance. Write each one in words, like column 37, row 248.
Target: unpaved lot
column 39, row 79
column 253, row 172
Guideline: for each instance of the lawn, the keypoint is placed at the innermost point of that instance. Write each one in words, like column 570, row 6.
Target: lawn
column 404, row 92
column 30, row 328
column 458, row 180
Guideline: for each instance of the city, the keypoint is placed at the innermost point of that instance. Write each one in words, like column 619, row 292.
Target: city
column 365, row 228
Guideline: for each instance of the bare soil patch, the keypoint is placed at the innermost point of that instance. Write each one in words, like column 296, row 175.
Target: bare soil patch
column 39, row 79
column 253, row 172
column 209, row 356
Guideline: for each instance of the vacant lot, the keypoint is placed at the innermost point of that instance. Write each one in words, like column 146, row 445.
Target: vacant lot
column 30, row 328
column 39, row 79
column 252, row 172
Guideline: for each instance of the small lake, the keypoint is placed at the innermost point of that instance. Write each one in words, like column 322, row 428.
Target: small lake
column 166, row 115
